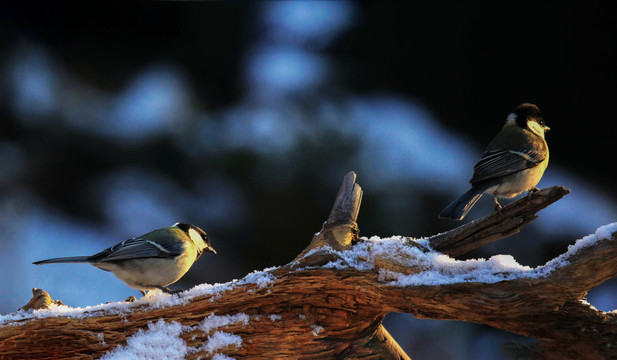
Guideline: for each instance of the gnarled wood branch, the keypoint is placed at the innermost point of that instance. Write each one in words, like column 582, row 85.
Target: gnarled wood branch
column 501, row 224
column 330, row 301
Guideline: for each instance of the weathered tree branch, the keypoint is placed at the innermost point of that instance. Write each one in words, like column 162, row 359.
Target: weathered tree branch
column 330, row 301
column 501, row 224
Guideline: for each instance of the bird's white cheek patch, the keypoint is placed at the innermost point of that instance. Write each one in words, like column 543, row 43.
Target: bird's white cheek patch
column 536, row 128
column 197, row 239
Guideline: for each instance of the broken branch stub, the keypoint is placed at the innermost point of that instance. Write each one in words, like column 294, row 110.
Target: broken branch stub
column 341, row 229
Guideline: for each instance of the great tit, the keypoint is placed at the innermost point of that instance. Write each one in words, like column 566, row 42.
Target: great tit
column 513, row 162
column 151, row 261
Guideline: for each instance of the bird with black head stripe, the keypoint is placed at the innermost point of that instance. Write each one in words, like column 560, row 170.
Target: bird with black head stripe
column 154, row 260
column 513, row 162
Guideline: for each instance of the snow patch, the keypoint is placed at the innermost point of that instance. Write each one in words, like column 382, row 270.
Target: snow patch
column 161, row 341
column 261, row 278
column 603, row 232
column 217, row 321
column 440, row 269
column 101, row 338
column 220, row 340
column 316, row 329
column 221, row 357
column 585, row 302
column 275, row 317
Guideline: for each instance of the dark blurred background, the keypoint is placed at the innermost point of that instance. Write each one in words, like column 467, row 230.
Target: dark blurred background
column 243, row 118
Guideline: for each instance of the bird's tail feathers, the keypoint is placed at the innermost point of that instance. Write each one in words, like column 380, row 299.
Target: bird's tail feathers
column 72, row 259
column 461, row 206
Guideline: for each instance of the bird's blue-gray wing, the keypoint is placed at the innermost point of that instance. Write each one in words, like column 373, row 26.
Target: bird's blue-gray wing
column 138, row 248
column 503, row 162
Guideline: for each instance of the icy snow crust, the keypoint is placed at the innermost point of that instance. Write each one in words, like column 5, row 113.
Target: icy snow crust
column 162, row 339
column 153, row 299
column 440, row 269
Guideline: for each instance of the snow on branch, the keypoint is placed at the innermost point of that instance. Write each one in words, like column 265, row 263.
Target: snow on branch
column 330, row 301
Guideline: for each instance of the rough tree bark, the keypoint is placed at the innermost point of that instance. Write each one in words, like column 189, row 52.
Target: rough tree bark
column 336, row 312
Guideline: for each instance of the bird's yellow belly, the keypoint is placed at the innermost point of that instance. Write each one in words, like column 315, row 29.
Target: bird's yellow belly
column 519, row 182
